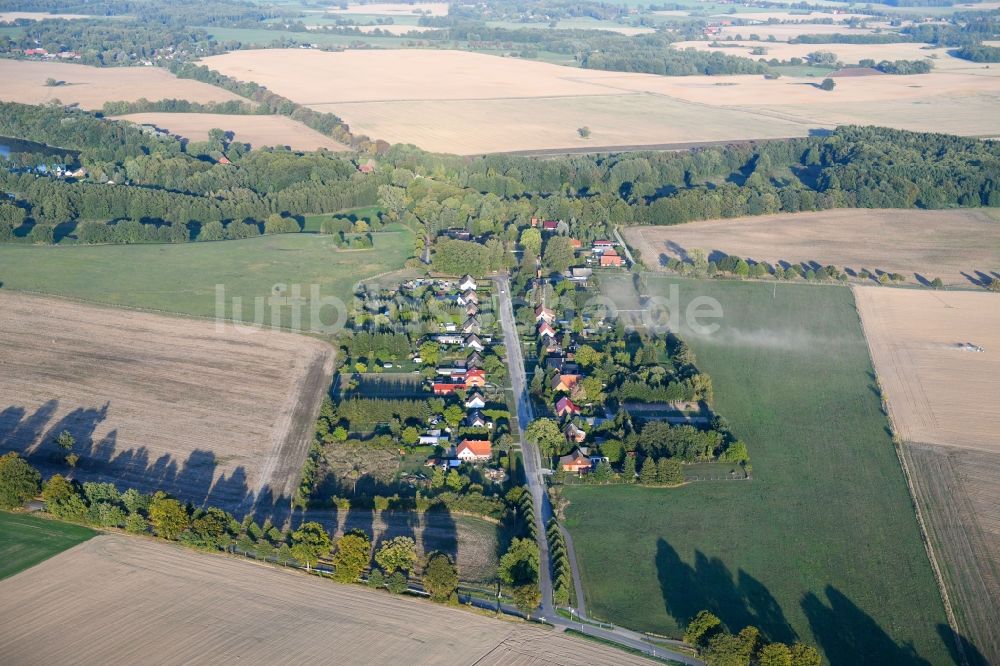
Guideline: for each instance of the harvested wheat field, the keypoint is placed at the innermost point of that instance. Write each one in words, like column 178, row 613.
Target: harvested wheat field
column 91, row 87
column 116, row 599
column 955, row 245
column 160, row 403
column 469, row 103
column 939, row 392
column 256, row 130
column 958, row 491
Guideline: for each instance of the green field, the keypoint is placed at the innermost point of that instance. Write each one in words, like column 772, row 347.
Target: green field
column 26, row 540
column 264, row 37
column 312, row 223
column 822, row 544
column 182, row 278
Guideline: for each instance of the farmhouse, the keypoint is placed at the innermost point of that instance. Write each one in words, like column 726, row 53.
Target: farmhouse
column 575, row 462
column 565, row 382
column 475, row 419
column 565, row 407
column 472, row 325
column 545, row 314
column 467, row 283
column 474, row 450
column 475, row 401
column 475, row 377
column 468, row 296
column 472, row 341
column 610, row 258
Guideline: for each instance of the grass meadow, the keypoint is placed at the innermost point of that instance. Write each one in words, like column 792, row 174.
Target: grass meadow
column 26, row 540
column 822, row 545
column 182, row 278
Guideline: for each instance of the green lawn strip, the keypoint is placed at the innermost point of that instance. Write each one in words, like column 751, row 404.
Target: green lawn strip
column 26, row 540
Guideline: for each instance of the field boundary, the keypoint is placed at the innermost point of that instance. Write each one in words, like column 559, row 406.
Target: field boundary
column 897, row 445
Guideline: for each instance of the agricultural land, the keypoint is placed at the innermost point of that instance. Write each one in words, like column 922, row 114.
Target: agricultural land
column 256, row 130
column 821, row 545
column 962, row 247
column 183, row 278
column 441, row 100
column 91, row 87
column 27, row 540
column 216, row 417
column 945, row 404
column 112, row 585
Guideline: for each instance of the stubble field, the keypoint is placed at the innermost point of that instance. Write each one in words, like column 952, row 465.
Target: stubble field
column 959, row 246
column 91, row 87
column 158, row 403
column 468, row 103
column 116, row 598
column 945, row 404
column 256, row 130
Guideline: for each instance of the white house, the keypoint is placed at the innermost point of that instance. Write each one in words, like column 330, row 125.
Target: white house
column 467, row 283
column 475, row 401
column 472, row 451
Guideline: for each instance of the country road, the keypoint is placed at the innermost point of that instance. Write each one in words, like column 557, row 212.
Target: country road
column 543, row 508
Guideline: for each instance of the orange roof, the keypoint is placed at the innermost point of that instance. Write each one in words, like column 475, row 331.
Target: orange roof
column 478, row 447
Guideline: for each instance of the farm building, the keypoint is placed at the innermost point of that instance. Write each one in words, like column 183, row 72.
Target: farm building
column 575, row 462
column 610, row 258
column 474, row 450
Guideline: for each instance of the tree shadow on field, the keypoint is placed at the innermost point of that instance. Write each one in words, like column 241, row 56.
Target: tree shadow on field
column 195, row 480
column 709, row 585
column 961, row 648
column 848, row 635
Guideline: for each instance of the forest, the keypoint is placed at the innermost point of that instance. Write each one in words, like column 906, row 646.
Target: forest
column 133, row 175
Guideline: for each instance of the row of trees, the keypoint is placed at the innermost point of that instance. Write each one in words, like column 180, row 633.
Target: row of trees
column 718, row 647
column 102, row 505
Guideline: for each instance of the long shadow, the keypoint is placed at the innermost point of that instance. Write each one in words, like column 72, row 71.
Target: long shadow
column 848, row 635
column 709, row 585
column 440, row 532
column 195, row 480
column 961, row 648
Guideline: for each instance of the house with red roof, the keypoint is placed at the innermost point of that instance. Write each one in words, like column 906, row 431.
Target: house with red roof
column 475, row 377
column 474, row 450
column 447, row 389
column 565, row 383
column 545, row 330
column 575, row 462
column 610, row 258
column 565, row 407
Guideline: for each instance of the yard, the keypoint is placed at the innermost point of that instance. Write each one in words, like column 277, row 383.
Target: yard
column 26, row 540
column 184, row 278
column 822, row 545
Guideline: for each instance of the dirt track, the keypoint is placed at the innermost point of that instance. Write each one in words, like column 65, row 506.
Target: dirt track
column 116, row 599
column 159, row 403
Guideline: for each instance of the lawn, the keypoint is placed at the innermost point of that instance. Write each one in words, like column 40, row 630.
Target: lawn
column 26, row 540
column 183, row 278
column 822, row 544
column 312, row 223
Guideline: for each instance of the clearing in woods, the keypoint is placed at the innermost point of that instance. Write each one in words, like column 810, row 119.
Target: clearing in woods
column 823, row 543
column 182, row 278
column 469, row 103
column 91, row 87
column 216, row 417
column 26, row 540
column 944, row 398
column 213, row 608
column 253, row 129
column 959, row 246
